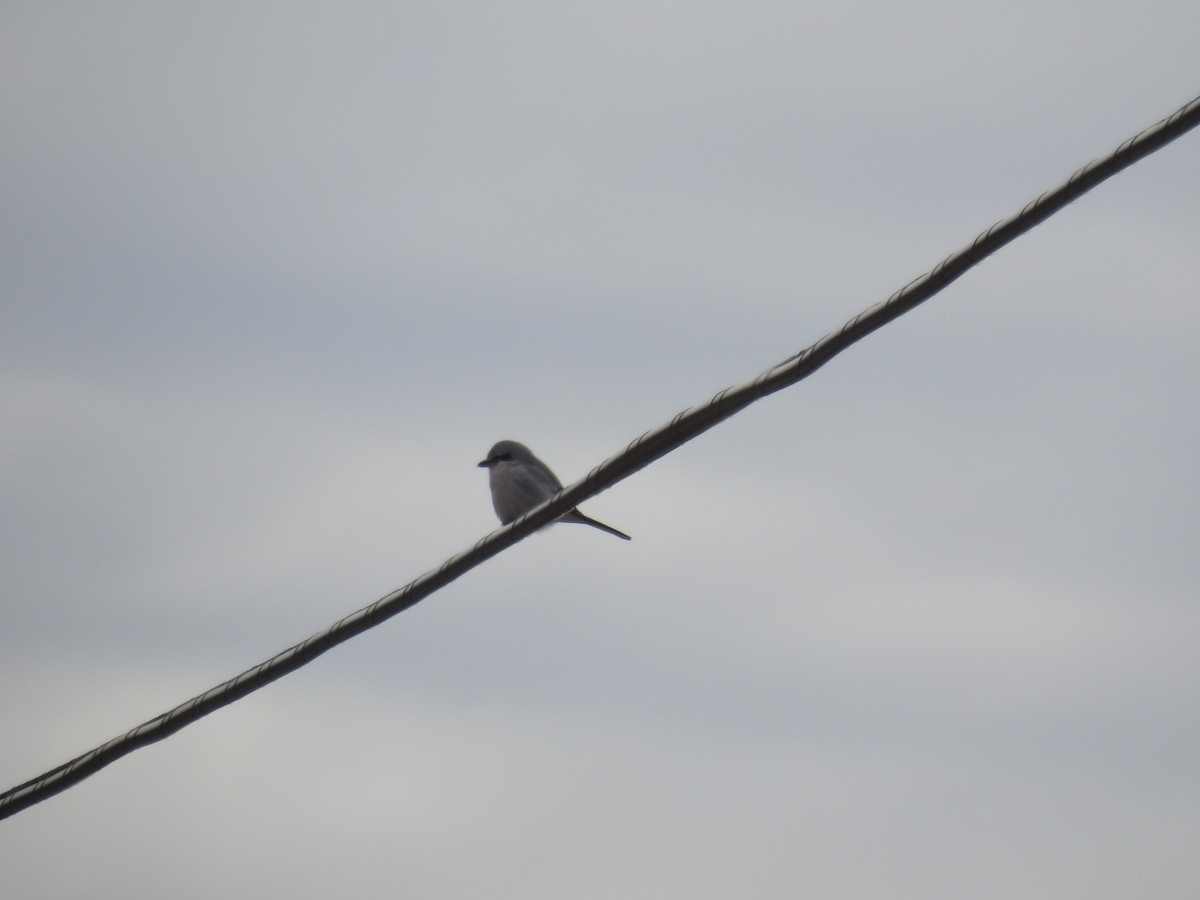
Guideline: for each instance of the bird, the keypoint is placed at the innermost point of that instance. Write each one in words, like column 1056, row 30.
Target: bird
column 520, row 481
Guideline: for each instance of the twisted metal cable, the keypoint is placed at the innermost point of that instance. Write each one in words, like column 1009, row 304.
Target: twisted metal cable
column 640, row 453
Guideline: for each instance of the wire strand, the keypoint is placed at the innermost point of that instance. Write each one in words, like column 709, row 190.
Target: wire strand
column 638, row 454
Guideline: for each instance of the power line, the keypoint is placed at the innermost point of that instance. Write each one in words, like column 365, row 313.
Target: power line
column 640, row 453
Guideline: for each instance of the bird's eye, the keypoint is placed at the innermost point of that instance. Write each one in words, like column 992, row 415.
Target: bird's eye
column 503, row 457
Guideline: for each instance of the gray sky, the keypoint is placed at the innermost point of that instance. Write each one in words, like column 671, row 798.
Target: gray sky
column 275, row 276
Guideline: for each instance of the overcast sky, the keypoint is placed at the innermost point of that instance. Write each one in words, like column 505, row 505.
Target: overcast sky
column 274, row 276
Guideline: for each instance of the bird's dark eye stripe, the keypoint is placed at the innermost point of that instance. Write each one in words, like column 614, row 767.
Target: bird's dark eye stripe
column 503, row 457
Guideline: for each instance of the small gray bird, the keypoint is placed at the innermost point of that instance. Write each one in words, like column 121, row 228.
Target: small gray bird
column 520, row 481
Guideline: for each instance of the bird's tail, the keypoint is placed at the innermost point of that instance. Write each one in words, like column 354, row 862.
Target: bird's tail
column 576, row 516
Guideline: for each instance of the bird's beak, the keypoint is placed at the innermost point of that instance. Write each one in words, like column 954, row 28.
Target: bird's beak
column 484, row 464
